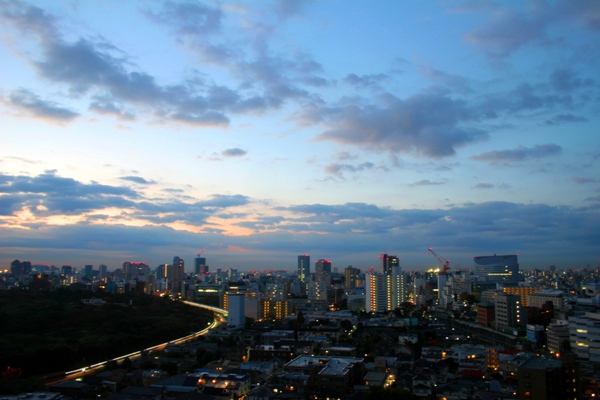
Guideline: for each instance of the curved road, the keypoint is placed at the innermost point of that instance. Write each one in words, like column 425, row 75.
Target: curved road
column 220, row 317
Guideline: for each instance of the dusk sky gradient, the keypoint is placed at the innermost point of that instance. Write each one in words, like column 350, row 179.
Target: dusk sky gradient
column 261, row 130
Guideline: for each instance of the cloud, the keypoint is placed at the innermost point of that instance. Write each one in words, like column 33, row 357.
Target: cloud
column 48, row 195
column 366, row 81
column 107, row 106
column 483, row 186
column 289, row 8
column 234, row 152
column 566, row 80
column 137, row 179
column 426, row 182
column 431, row 124
column 564, row 119
column 519, row 154
column 32, row 104
column 506, row 32
column 339, row 169
column 350, row 233
column 580, row 180
column 188, row 18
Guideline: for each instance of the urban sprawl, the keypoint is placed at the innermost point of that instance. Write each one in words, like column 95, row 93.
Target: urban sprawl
column 489, row 331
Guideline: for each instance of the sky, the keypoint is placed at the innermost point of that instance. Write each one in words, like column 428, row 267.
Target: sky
column 256, row 131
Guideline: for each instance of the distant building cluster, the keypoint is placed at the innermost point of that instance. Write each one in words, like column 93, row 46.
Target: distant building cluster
column 489, row 331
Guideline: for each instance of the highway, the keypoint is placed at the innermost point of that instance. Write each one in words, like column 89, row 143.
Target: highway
column 220, row 317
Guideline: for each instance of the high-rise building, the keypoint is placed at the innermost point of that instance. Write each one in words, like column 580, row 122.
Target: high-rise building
column 385, row 291
column 387, row 262
column 303, row 267
column 351, row 276
column 175, row 274
column 509, row 313
column 102, row 271
column 199, row 262
column 323, row 270
column 497, row 269
column 235, row 309
column 88, row 271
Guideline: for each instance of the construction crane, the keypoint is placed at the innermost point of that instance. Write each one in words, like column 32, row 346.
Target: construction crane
column 446, row 267
column 200, row 253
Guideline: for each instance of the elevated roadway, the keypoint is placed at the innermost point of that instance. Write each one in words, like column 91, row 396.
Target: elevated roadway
column 220, row 317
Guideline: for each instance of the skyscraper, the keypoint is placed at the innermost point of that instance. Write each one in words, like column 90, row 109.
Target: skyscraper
column 385, row 291
column 303, row 267
column 323, row 270
column 175, row 274
column 199, row 262
column 497, row 269
column 387, row 262
column 351, row 275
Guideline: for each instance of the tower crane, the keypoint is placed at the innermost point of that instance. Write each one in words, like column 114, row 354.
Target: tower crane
column 200, row 252
column 446, row 263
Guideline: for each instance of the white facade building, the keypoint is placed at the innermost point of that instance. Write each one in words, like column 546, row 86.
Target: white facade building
column 584, row 334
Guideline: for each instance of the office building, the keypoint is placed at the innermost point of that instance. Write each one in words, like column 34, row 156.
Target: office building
column 175, row 275
column 200, row 267
column 509, row 313
column 556, row 297
column 235, row 309
column 351, row 276
column 558, row 336
column 387, row 263
column 323, row 270
column 303, row 267
column 102, row 271
column 497, row 269
column 549, row 378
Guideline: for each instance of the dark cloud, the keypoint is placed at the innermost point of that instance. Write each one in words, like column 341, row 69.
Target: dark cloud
column 580, row 180
column 431, row 124
column 350, row 234
column 30, row 19
column 366, row 81
column 137, row 179
column 48, row 194
column 566, row 80
column 519, row 154
column 339, row 169
column 107, row 106
column 483, row 186
column 584, row 13
column 32, row 104
column 188, row 17
column 506, row 32
column 565, row 119
column 234, row 152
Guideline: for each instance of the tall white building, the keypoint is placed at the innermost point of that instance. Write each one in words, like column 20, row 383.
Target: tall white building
column 385, row 291
column 236, row 309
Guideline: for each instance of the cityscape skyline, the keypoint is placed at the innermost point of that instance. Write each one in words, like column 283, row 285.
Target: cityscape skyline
column 262, row 131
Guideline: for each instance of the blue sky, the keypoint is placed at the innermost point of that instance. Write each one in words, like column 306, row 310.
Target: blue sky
column 262, row 130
